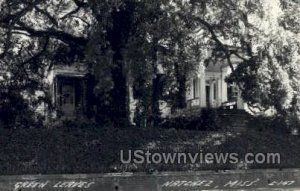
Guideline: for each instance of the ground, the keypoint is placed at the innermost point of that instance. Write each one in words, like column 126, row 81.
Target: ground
column 92, row 149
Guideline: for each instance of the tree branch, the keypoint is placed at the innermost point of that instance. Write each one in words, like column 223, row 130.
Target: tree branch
column 11, row 20
column 52, row 19
column 40, row 53
column 70, row 13
column 80, row 3
column 222, row 46
column 216, row 39
column 60, row 35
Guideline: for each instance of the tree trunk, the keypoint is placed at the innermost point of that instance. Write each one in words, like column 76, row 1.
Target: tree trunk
column 119, row 113
column 118, row 37
column 155, row 101
column 181, row 80
column 155, row 118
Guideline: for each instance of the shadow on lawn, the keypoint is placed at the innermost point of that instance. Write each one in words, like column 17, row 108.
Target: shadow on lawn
column 88, row 148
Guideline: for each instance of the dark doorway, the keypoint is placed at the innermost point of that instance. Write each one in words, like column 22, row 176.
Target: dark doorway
column 207, row 91
column 70, row 95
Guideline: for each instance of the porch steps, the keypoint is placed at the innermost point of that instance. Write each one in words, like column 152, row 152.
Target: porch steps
column 234, row 120
column 228, row 119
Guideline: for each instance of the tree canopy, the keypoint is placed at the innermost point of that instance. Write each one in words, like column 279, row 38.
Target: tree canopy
column 126, row 43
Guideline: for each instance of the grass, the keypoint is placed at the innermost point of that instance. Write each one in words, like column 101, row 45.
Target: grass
column 90, row 149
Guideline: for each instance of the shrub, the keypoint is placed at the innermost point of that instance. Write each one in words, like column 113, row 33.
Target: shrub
column 15, row 111
column 274, row 124
column 207, row 119
column 210, row 119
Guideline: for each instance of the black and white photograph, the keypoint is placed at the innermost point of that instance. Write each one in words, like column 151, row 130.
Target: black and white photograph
column 141, row 95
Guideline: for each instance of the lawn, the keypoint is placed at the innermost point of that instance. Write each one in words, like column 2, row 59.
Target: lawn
column 92, row 149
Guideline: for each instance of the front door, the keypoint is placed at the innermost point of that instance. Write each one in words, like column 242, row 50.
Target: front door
column 66, row 96
column 68, row 103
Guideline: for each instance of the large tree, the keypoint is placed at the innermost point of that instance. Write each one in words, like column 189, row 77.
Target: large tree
column 128, row 42
column 264, row 36
column 162, row 52
column 104, row 35
column 35, row 35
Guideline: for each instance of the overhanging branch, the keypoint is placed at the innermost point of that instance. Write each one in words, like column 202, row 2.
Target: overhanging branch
column 224, row 48
column 11, row 20
column 50, row 17
column 40, row 53
column 52, row 33
column 217, row 40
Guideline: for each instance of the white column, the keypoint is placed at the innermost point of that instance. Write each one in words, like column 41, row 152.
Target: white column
column 202, row 91
column 198, row 91
column 190, row 89
column 219, row 92
column 240, row 102
column 224, row 86
column 211, row 99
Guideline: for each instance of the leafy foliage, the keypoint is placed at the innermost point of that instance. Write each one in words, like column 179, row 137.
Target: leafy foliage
column 155, row 47
column 263, row 40
column 207, row 119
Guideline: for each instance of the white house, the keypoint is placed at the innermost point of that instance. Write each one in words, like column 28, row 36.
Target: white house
column 209, row 89
column 69, row 85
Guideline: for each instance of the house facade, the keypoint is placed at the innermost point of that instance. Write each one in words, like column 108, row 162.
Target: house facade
column 70, row 88
column 210, row 89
